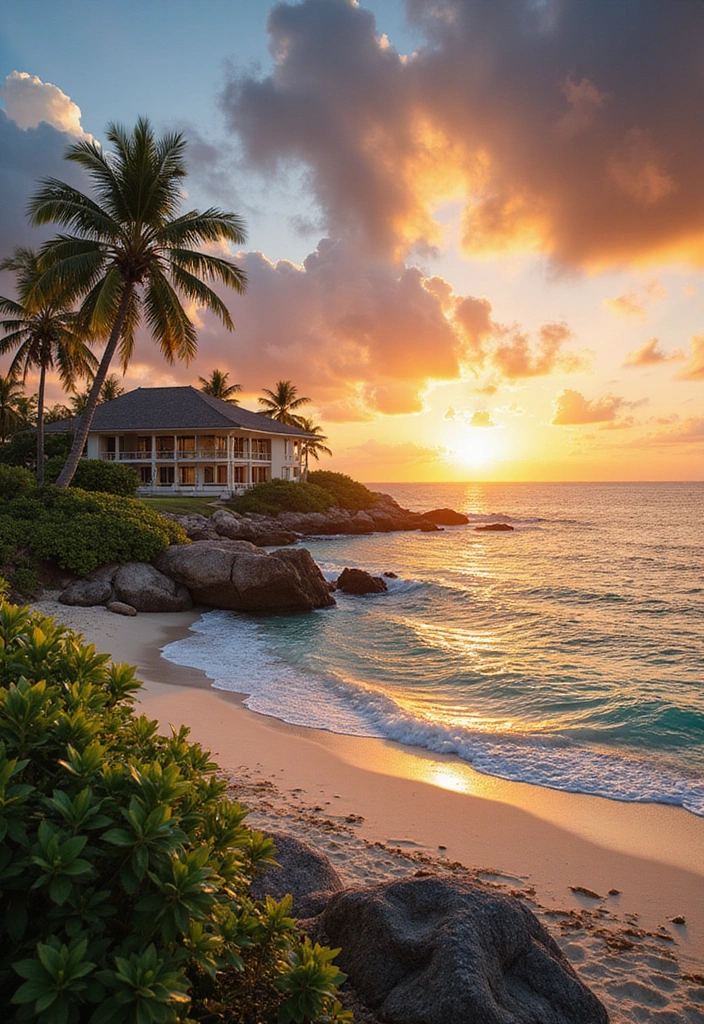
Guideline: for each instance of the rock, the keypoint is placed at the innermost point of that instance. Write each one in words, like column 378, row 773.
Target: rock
column 263, row 534
column 426, row 526
column 357, row 581
column 390, row 575
column 446, row 517
column 148, row 590
column 235, row 574
column 434, row 950
column 86, row 593
column 120, row 608
column 306, row 874
column 494, row 527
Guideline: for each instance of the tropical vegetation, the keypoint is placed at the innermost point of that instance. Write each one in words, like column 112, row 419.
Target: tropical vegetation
column 11, row 413
column 217, row 387
column 312, row 446
column 131, row 256
column 345, row 492
column 276, row 496
column 281, row 403
column 43, row 332
column 124, row 867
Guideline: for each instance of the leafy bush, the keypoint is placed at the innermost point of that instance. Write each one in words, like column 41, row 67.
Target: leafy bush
column 124, row 869
column 345, row 492
column 96, row 475
column 14, row 480
column 283, row 496
column 81, row 530
column 21, row 450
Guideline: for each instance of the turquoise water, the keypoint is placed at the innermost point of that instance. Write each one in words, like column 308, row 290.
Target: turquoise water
column 568, row 653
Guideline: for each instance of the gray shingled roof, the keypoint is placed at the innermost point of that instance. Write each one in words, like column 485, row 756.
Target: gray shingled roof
column 174, row 409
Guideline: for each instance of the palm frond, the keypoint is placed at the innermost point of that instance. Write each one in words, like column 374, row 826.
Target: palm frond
column 59, row 203
column 199, row 292
column 168, row 321
column 210, row 266
column 211, row 225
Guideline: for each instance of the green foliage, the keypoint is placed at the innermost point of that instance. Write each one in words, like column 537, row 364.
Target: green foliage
column 283, row 496
column 96, row 475
column 14, row 481
column 21, row 450
column 124, row 868
column 345, row 492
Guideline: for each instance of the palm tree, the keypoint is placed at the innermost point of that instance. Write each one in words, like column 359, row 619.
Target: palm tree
column 280, row 403
column 57, row 412
column 312, row 446
column 131, row 256
column 111, row 388
column 217, row 387
column 11, row 392
column 46, row 335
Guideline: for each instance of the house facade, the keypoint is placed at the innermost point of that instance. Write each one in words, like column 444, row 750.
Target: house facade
column 181, row 441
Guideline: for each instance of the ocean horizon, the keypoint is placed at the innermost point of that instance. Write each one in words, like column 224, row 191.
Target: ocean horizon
column 567, row 653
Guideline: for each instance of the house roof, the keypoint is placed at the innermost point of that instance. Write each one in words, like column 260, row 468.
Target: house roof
column 175, row 409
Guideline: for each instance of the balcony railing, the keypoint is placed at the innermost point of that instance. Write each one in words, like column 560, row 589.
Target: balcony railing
column 169, row 455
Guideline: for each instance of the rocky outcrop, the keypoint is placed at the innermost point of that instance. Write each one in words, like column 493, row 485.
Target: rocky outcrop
column 148, row 590
column 446, row 517
column 261, row 531
column 235, row 574
column 357, row 581
column 301, row 871
column 494, row 528
column 436, row 949
column 87, row 592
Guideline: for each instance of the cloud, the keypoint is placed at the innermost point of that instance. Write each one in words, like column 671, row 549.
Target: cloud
column 691, row 432
column 549, row 139
column 518, row 358
column 694, row 370
column 481, row 418
column 572, row 409
column 651, row 354
column 635, row 303
column 29, row 102
column 407, row 454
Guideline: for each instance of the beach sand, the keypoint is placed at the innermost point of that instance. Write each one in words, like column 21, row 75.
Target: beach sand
column 380, row 810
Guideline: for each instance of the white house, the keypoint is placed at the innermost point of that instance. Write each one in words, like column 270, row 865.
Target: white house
column 181, row 441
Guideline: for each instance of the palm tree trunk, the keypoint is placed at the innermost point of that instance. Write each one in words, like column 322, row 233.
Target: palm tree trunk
column 86, row 418
column 40, row 426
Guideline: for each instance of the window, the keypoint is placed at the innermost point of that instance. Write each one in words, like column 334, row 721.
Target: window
column 240, row 447
column 186, row 446
column 187, row 476
column 260, row 474
column 285, row 473
column 222, row 474
column 240, row 475
column 166, row 476
column 208, row 475
column 144, row 445
column 165, row 447
column 261, row 448
column 145, row 475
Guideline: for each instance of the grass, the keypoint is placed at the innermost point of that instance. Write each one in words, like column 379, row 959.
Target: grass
column 181, row 506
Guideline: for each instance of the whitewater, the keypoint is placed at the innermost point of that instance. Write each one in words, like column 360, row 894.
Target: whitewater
column 568, row 653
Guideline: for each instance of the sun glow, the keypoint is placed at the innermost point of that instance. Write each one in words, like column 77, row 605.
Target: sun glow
column 476, row 448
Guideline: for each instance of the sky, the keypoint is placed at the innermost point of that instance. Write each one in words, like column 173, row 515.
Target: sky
column 475, row 227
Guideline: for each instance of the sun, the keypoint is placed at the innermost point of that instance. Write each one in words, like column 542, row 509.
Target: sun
column 475, row 447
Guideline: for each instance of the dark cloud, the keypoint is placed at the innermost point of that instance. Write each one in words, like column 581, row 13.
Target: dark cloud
column 565, row 126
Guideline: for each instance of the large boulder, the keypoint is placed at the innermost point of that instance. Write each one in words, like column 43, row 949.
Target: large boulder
column 437, row 949
column 357, row 581
column 266, row 533
column 446, row 517
column 300, row 870
column 494, row 528
column 88, row 592
column 148, row 590
column 235, row 574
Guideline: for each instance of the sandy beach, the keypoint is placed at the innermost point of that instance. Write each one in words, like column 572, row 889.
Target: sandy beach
column 607, row 878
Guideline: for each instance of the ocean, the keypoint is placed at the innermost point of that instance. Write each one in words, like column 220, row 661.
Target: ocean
column 568, row 653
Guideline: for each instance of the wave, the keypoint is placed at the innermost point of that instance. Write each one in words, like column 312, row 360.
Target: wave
column 234, row 653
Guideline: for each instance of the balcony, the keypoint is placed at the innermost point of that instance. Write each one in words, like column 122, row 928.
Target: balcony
column 169, row 455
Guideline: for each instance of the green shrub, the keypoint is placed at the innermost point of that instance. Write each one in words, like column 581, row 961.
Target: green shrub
column 14, row 481
column 21, row 449
column 81, row 530
column 346, row 492
column 283, row 496
column 124, row 868
column 96, row 475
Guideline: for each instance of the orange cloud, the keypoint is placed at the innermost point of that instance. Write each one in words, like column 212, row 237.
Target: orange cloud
column 694, row 370
column 573, row 409
column 691, row 432
column 594, row 168
column 635, row 304
column 481, row 418
column 517, row 358
column 651, row 354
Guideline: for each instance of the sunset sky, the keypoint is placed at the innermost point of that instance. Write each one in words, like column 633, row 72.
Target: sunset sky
column 476, row 227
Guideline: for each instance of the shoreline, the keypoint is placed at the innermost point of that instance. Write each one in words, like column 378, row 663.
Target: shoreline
column 405, row 807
